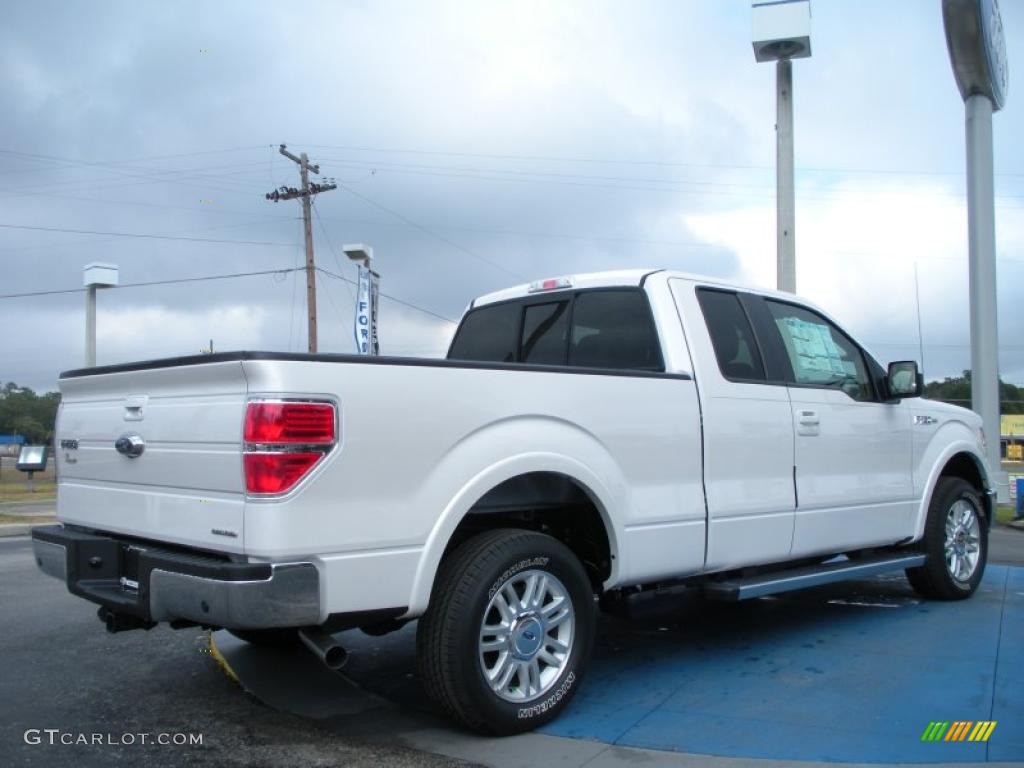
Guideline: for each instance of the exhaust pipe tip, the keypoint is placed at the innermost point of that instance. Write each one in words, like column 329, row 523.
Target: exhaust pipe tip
column 324, row 647
column 336, row 657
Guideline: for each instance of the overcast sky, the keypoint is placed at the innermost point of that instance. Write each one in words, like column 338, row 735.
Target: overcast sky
column 478, row 144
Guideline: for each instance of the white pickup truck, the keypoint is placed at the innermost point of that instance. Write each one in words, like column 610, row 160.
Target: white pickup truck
column 598, row 435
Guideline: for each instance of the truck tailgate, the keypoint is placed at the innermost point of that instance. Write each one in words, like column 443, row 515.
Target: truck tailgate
column 187, row 485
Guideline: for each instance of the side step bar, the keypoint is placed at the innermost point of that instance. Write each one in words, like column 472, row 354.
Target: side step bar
column 811, row 576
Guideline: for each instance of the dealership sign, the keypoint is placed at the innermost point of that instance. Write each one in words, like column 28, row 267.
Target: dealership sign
column 977, row 48
column 366, row 312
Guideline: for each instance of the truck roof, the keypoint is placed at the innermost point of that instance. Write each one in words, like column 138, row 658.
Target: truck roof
column 606, row 279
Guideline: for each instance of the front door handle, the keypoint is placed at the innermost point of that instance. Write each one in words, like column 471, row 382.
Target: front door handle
column 809, row 418
column 808, row 423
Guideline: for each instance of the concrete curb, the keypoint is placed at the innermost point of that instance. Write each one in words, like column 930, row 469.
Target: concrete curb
column 20, row 529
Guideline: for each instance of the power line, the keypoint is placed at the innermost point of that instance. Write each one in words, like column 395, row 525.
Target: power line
column 154, row 282
column 562, row 175
column 510, row 156
column 330, row 247
column 429, row 232
column 392, row 298
column 50, row 158
column 330, row 300
column 621, row 161
column 143, row 235
column 283, row 271
column 147, row 174
column 745, row 191
column 930, row 345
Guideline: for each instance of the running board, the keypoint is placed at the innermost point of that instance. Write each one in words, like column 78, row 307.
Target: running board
column 811, row 576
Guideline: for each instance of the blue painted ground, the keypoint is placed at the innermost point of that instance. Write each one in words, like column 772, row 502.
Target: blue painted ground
column 850, row 672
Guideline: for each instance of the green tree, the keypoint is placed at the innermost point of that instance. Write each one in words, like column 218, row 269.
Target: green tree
column 957, row 390
column 23, row 412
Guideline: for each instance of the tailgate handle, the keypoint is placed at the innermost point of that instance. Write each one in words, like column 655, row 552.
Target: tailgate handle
column 133, row 407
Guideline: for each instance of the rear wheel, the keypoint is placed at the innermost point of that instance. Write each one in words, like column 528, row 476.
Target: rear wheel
column 508, row 633
column 955, row 543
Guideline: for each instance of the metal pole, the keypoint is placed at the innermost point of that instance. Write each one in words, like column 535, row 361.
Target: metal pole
column 310, row 264
column 981, row 239
column 90, row 326
column 920, row 333
column 786, row 207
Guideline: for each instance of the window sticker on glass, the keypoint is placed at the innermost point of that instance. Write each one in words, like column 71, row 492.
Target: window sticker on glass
column 816, row 351
column 820, row 354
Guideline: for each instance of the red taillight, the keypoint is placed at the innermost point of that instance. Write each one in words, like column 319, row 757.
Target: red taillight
column 283, row 442
column 305, row 423
column 276, row 472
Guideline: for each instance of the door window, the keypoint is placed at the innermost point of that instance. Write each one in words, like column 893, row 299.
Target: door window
column 820, row 354
column 738, row 357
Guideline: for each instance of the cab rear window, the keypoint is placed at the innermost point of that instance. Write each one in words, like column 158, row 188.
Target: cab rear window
column 489, row 334
column 603, row 328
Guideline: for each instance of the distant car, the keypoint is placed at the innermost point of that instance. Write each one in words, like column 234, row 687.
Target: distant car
column 596, row 435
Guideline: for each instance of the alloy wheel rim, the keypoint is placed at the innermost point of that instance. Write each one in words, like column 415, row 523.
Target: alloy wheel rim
column 962, row 547
column 526, row 636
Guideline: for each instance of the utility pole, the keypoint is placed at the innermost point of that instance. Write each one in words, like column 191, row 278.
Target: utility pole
column 306, row 194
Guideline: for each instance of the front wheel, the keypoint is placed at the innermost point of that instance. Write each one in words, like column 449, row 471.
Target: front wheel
column 508, row 633
column 955, row 543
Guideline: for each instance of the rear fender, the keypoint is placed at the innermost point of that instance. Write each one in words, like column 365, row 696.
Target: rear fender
column 587, row 475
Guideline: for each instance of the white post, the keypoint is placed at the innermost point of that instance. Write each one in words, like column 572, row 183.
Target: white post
column 981, row 242
column 95, row 275
column 782, row 32
column 784, row 178
column 90, row 326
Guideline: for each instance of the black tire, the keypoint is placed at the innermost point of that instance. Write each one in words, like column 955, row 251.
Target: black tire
column 268, row 638
column 448, row 636
column 933, row 579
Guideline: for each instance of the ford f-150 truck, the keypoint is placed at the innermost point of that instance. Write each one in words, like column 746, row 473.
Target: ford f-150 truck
column 586, row 439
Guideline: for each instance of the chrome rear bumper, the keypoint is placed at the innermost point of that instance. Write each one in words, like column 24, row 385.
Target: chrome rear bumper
column 161, row 585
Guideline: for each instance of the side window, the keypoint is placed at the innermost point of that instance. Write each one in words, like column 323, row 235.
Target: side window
column 544, row 333
column 489, row 334
column 614, row 329
column 731, row 336
column 820, row 353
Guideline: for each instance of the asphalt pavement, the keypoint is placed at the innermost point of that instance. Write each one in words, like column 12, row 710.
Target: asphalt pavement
column 62, row 670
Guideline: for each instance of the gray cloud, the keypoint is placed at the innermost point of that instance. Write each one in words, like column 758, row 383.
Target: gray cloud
column 542, row 138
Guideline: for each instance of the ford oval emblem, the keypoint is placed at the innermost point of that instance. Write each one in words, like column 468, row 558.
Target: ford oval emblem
column 131, row 445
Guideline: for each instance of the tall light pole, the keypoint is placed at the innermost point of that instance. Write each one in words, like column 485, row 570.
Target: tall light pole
column 781, row 33
column 977, row 50
column 95, row 275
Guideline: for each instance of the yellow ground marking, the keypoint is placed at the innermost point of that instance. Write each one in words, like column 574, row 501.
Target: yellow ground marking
column 219, row 658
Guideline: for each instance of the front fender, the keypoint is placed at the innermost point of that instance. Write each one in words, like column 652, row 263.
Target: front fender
column 951, row 439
